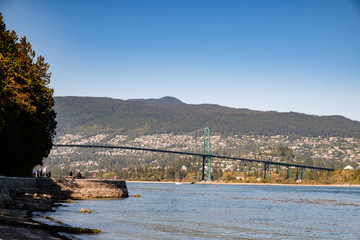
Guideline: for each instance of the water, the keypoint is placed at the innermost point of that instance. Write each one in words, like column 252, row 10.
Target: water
column 169, row 211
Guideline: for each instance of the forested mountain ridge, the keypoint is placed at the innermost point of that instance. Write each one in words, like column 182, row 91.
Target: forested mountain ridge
column 92, row 115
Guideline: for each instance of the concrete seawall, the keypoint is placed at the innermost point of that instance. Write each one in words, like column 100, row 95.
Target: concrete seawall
column 10, row 184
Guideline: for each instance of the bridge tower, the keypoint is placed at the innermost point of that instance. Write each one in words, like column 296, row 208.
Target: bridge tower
column 206, row 173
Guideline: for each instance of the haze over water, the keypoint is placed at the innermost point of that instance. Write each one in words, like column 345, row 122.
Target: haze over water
column 170, row 211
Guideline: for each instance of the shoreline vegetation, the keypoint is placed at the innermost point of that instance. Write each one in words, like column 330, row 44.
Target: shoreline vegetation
column 337, row 177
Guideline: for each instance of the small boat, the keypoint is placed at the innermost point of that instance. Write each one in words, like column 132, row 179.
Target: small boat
column 178, row 183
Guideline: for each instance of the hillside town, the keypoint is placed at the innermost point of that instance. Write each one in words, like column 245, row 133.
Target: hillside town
column 324, row 149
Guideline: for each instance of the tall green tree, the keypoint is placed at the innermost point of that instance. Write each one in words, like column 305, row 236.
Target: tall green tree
column 27, row 117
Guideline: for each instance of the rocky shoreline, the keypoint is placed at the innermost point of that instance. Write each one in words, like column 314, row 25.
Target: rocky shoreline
column 20, row 197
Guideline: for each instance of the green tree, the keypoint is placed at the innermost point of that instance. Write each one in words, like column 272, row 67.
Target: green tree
column 285, row 153
column 27, row 117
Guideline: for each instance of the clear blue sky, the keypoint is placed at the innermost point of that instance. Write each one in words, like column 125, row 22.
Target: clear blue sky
column 280, row 55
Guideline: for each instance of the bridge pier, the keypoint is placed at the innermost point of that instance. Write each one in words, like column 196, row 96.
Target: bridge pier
column 265, row 166
column 206, row 173
column 203, row 169
column 297, row 174
column 267, row 169
column 301, row 173
column 289, row 173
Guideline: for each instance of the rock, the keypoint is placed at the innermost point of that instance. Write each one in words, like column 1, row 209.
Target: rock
column 137, row 195
column 84, row 210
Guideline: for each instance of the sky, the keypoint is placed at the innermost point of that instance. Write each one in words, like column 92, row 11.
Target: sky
column 269, row 55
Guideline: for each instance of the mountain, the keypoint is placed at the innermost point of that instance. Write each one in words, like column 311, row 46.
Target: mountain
column 136, row 117
column 164, row 100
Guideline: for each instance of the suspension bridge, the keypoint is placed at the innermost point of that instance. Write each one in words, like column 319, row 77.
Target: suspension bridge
column 207, row 157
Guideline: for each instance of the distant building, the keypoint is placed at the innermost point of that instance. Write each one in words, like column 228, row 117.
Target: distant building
column 184, row 168
column 348, row 167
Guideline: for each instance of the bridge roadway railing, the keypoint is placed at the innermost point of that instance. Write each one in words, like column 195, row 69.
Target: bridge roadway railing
column 195, row 154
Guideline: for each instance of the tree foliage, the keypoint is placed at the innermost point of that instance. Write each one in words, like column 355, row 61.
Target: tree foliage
column 27, row 117
column 285, row 153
